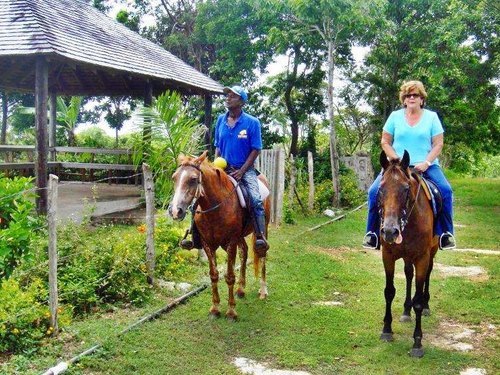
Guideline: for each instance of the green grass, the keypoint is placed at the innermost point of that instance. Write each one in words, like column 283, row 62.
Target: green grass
column 289, row 331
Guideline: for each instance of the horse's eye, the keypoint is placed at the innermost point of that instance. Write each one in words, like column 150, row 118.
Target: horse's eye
column 193, row 181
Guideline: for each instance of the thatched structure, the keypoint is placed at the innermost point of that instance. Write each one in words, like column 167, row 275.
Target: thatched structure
column 66, row 47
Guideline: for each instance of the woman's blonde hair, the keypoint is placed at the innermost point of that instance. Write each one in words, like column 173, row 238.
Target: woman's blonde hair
column 409, row 86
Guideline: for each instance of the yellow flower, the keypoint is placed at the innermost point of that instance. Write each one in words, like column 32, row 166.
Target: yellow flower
column 142, row 228
column 15, row 331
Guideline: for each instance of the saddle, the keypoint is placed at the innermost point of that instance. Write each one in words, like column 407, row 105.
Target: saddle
column 432, row 193
column 242, row 193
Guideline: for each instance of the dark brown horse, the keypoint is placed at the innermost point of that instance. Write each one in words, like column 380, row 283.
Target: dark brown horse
column 406, row 232
column 221, row 222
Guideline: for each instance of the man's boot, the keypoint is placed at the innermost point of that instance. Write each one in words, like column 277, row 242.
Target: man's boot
column 186, row 243
column 260, row 230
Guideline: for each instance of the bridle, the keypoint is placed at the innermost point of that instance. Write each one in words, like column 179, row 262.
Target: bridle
column 403, row 217
column 199, row 192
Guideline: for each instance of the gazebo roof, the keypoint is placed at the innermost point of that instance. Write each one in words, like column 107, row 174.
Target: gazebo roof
column 88, row 53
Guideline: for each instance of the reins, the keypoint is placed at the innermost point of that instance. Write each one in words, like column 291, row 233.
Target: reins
column 405, row 217
column 195, row 204
column 405, row 220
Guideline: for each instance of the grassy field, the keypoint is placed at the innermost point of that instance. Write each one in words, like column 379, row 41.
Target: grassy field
column 291, row 330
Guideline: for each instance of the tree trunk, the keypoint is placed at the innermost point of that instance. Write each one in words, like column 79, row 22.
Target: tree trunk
column 3, row 137
column 290, row 84
column 334, row 157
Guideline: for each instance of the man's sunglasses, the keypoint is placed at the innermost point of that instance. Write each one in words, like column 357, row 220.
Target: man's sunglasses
column 412, row 96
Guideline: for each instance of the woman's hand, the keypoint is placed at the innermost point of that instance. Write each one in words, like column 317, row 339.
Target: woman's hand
column 422, row 167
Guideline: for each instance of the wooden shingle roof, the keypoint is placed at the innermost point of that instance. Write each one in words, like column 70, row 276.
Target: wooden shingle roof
column 88, row 53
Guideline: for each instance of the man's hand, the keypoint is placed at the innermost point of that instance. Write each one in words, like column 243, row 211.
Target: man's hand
column 237, row 174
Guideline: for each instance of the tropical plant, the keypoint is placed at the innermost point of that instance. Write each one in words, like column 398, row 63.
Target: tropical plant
column 167, row 132
column 67, row 115
column 17, row 222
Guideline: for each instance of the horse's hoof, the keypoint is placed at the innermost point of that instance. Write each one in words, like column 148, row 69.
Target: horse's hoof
column 405, row 318
column 215, row 314
column 262, row 296
column 233, row 317
column 417, row 352
column 240, row 293
column 426, row 312
column 387, row 337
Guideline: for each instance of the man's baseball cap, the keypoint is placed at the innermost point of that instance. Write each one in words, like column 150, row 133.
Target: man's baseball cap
column 238, row 90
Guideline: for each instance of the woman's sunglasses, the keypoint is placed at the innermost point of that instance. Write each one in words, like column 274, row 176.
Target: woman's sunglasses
column 412, row 96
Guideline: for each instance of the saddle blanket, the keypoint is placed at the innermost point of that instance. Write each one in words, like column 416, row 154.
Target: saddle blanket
column 264, row 191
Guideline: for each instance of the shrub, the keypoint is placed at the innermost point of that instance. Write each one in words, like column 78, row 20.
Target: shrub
column 350, row 194
column 24, row 317
column 170, row 262
column 18, row 222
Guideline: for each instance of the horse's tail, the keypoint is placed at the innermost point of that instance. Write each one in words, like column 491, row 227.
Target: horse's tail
column 256, row 258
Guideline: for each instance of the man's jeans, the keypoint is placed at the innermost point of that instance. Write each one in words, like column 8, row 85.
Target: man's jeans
column 445, row 219
column 249, row 179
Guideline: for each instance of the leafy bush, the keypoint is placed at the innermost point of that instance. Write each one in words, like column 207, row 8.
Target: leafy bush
column 464, row 160
column 24, row 318
column 18, row 222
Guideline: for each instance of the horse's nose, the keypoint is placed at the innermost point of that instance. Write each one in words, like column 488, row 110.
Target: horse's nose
column 389, row 234
column 176, row 212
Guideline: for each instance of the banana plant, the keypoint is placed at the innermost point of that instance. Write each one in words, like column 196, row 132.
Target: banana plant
column 167, row 132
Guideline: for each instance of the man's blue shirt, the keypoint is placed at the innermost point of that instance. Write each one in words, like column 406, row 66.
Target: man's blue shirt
column 236, row 143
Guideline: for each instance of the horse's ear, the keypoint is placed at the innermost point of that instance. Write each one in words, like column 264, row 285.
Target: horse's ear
column 201, row 158
column 384, row 162
column 406, row 160
column 180, row 158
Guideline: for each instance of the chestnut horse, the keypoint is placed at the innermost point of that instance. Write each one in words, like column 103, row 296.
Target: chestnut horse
column 406, row 232
column 221, row 222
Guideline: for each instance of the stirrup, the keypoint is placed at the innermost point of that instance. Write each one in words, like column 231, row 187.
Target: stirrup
column 261, row 244
column 186, row 243
column 447, row 241
column 370, row 241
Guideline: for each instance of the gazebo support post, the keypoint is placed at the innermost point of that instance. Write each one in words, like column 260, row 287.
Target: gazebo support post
column 208, row 122
column 146, row 132
column 52, row 125
column 41, row 96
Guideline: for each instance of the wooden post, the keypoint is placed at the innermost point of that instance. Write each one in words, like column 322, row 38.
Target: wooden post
column 208, row 122
column 291, row 186
column 150, row 222
column 52, row 125
column 51, row 219
column 146, row 131
column 310, row 168
column 280, row 185
column 41, row 95
column 3, row 133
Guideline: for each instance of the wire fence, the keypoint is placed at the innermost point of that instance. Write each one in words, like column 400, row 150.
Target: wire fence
column 49, row 225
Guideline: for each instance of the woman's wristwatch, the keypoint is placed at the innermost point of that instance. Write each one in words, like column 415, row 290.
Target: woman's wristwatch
column 428, row 163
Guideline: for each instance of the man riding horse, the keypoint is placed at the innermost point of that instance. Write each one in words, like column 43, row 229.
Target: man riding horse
column 238, row 140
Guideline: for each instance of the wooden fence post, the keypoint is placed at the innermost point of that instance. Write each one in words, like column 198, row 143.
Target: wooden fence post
column 291, row 186
column 310, row 168
column 280, row 185
column 51, row 219
column 150, row 221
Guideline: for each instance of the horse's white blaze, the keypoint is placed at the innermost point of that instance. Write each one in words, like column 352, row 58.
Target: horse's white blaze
column 178, row 195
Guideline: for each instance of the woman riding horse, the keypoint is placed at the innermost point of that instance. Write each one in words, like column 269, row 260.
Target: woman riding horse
column 420, row 132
